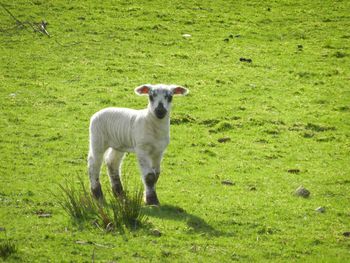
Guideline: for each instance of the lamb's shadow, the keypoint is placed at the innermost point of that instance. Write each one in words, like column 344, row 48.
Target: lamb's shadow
column 194, row 223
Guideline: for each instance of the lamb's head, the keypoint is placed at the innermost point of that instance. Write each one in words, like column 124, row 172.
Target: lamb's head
column 160, row 97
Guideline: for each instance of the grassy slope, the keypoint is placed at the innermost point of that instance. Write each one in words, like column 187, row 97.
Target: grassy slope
column 289, row 109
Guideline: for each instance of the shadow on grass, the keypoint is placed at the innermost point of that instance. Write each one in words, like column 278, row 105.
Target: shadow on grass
column 194, row 223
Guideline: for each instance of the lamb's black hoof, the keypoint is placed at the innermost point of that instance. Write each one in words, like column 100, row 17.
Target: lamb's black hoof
column 118, row 191
column 97, row 193
column 152, row 199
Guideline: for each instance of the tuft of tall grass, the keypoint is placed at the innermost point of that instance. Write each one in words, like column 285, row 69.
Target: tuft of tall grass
column 78, row 203
column 7, row 248
column 127, row 210
column 114, row 214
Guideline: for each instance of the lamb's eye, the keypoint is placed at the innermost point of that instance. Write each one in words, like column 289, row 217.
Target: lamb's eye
column 170, row 98
column 151, row 97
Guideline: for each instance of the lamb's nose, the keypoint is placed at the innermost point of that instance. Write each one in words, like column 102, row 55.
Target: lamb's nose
column 160, row 111
column 160, row 106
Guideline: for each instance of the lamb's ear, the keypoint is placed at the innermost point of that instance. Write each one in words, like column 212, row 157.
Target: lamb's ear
column 178, row 90
column 143, row 89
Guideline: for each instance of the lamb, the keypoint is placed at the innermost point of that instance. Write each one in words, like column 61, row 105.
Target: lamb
column 115, row 131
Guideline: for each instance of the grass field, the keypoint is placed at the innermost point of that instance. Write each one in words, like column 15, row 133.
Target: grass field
column 268, row 111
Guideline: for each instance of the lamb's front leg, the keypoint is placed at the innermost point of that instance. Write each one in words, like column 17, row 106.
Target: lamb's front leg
column 149, row 178
column 156, row 160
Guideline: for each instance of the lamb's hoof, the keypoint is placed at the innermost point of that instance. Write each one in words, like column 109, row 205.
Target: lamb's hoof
column 118, row 193
column 97, row 193
column 152, row 199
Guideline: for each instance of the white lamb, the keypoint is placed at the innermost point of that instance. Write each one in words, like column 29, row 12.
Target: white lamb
column 114, row 131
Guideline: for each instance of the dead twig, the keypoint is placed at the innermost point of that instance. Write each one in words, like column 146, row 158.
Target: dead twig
column 37, row 27
column 93, row 256
column 17, row 20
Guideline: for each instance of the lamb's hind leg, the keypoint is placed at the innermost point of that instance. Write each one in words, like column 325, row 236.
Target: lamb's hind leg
column 114, row 160
column 96, row 151
column 94, row 166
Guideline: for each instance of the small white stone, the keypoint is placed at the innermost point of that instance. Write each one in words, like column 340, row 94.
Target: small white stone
column 156, row 232
column 320, row 209
column 302, row 191
column 13, row 95
column 186, row 36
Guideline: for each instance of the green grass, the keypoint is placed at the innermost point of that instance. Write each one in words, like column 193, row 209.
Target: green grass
column 287, row 109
